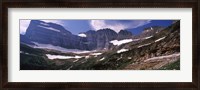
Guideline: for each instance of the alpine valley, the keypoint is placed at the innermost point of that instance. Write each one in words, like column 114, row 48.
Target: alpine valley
column 49, row 46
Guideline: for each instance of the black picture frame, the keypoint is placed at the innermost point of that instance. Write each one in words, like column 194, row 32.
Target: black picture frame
column 194, row 4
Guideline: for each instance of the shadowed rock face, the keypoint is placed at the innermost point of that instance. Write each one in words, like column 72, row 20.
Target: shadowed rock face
column 124, row 34
column 24, row 39
column 150, row 31
column 91, row 38
column 50, row 33
column 104, row 37
column 101, row 39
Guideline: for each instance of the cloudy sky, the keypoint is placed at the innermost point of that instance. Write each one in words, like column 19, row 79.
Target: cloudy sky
column 77, row 26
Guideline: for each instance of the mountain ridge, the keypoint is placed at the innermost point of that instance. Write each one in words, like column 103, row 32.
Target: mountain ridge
column 51, row 33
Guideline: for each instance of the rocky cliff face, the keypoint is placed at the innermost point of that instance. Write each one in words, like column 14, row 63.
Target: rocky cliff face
column 104, row 37
column 101, row 39
column 147, row 32
column 25, row 40
column 50, row 33
column 124, row 34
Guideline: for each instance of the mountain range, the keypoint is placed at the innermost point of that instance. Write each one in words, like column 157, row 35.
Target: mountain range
column 51, row 46
column 54, row 34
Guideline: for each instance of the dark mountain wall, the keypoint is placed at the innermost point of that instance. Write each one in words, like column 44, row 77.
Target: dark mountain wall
column 57, row 35
column 50, row 33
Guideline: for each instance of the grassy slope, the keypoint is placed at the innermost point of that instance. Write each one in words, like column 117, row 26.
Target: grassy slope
column 172, row 66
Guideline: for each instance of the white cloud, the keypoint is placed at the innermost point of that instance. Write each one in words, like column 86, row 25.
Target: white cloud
column 117, row 25
column 25, row 23
column 100, row 24
column 60, row 22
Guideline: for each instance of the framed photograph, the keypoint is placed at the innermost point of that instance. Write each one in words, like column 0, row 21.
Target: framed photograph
column 97, row 44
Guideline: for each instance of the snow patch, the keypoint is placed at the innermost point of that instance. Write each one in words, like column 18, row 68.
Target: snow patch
column 24, row 52
column 156, row 31
column 61, row 56
column 159, row 39
column 136, row 39
column 57, row 48
column 82, row 35
column 70, row 67
column 87, row 57
column 81, row 52
column 120, row 57
column 120, row 42
column 142, row 38
column 96, row 54
column 78, row 57
column 44, row 24
column 122, row 50
column 151, row 28
column 76, row 60
column 144, row 45
column 163, row 57
column 102, row 59
column 84, row 61
column 129, row 57
column 148, row 37
column 49, row 28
